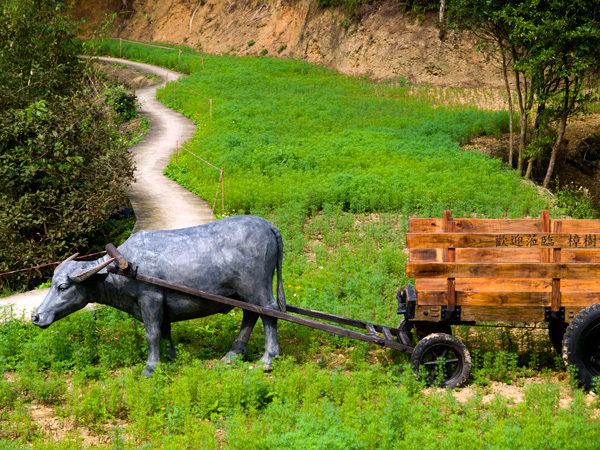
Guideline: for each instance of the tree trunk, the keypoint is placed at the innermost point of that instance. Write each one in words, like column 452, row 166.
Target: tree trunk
column 529, row 169
column 442, row 34
column 561, row 133
column 510, row 110
column 555, row 148
column 523, row 135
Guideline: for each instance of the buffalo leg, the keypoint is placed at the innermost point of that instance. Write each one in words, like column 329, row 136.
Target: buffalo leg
column 152, row 314
column 165, row 333
column 271, row 345
column 240, row 345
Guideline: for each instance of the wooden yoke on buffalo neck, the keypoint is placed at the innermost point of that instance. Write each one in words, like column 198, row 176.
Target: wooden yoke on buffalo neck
column 517, row 270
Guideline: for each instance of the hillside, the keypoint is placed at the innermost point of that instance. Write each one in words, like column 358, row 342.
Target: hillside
column 383, row 42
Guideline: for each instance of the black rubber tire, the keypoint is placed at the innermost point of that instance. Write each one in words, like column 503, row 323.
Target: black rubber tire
column 440, row 348
column 556, row 331
column 581, row 345
column 423, row 329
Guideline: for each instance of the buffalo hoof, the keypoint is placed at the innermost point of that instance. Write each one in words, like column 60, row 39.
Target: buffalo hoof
column 147, row 373
column 229, row 358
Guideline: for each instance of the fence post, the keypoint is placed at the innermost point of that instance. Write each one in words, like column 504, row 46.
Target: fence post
column 210, row 102
column 166, row 79
column 120, row 47
column 202, row 62
column 174, row 95
column 179, row 59
column 222, row 191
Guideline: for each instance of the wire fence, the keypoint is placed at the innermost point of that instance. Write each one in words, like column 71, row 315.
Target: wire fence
column 176, row 82
column 121, row 40
column 49, row 264
column 220, row 184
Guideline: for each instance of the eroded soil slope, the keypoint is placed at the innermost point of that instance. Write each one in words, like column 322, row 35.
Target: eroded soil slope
column 379, row 42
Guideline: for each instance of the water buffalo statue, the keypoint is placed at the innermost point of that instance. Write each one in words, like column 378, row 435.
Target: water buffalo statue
column 234, row 257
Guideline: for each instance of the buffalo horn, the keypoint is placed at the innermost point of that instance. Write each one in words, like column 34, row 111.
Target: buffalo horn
column 83, row 274
column 70, row 258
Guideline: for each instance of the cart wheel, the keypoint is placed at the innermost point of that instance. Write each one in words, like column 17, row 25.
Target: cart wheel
column 581, row 345
column 556, row 331
column 405, row 328
column 423, row 329
column 441, row 351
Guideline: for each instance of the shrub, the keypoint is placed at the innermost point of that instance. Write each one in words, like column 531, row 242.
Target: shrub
column 63, row 168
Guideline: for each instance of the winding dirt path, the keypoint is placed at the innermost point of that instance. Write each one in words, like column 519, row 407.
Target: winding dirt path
column 159, row 203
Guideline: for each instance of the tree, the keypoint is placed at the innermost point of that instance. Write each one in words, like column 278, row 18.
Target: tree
column 63, row 167
column 551, row 47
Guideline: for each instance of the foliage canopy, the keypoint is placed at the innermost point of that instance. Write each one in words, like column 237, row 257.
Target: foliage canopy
column 63, row 167
column 552, row 48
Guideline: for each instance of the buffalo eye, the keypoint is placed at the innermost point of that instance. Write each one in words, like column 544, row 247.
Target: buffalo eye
column 63, row 287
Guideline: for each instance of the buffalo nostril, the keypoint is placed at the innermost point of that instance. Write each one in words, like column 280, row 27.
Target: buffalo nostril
column 35, row 318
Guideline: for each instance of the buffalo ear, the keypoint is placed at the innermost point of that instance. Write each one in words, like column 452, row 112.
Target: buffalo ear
column 83, row 274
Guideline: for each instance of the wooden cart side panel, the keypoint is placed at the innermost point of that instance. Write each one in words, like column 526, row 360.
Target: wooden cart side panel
column 487, row 313
column 581, row 226
column 503, row 240
column 419, row 225
column 508, row 284
column 569, row 255
column 476, row 225
column 505, row 298
column 503, row 270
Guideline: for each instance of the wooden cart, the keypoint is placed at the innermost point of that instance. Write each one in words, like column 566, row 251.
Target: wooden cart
column 502, row 270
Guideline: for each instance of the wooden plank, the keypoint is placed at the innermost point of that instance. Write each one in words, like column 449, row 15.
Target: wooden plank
column 590, row 285
column 583, row 226
column 497, row 225
column 498, row 255
column 430, row 298
column 580, row 255
column 425, row 255
column 503, row 240
column 567, row 299
column 578, row 298
column 556, row 255
column 508, row 284
column 477, row 225
column 545, row 228
column 451, row 293
column 488, row 284
column 425, row 225
column 503, row 313
column 503, row 270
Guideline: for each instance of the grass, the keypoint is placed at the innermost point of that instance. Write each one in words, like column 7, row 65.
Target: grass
column 286, row 132
column 338, row 164
column 317, row 396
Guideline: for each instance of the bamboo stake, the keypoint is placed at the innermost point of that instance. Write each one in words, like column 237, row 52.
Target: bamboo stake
column 222, row 191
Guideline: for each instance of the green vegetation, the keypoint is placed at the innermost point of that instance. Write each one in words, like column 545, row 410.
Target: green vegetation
column 84, row 372
column 287, row 132
column 338, row 164
column 552, row 49
column 63, row 164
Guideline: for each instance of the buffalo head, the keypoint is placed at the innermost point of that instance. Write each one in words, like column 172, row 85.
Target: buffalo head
column 67, row 293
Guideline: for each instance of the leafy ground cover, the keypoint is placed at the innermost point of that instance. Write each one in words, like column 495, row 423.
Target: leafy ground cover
column 338, row 164
column 85, row 372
